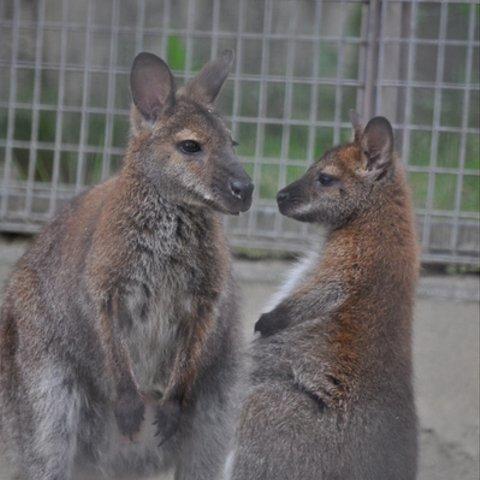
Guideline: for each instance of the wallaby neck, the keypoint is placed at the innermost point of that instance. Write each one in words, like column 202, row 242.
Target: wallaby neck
column 377, row 247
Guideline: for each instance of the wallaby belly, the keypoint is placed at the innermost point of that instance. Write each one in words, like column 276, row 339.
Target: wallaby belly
column 151, row 341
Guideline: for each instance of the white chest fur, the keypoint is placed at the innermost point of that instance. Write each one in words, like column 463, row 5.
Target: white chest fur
column 293, row 278
column 151, row 340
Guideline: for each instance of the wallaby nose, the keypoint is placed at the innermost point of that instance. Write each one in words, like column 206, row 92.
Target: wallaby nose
column 282, row 196
column 242, row 189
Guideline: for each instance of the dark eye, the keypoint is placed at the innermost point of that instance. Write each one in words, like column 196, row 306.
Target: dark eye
column 189, row 147
column 326, row 180
column 234, row 143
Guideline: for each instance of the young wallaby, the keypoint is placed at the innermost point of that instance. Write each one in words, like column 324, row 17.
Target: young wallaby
column 331, row 393
column 123, row 313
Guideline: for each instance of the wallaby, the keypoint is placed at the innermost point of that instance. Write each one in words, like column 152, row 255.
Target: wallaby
column 331, row 389
column 123, row 312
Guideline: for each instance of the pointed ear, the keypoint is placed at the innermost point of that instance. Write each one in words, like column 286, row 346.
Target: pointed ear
column 152, row 86
column 356, row 124
column 206, row 85
column 377, row 146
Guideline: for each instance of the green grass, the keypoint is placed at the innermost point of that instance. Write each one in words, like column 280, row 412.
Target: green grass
column 176, row 53
column 272, row 174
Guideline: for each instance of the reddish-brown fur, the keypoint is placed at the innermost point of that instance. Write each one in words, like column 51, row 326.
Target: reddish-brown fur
column 331, row 394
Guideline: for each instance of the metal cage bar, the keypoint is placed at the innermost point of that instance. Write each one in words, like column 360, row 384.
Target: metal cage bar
column 300, row 66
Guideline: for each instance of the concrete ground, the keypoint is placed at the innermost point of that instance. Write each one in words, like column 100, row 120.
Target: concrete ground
column 446, row 358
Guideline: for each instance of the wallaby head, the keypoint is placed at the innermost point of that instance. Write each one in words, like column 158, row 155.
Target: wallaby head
column 178, row 139
column 345, row 179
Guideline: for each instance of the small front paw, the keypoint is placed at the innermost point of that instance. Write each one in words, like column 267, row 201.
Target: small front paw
column 271, row 322
column 167, row 419
column 129, row 412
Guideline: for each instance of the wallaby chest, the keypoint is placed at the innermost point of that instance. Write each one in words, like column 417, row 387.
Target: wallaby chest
column 173, row 265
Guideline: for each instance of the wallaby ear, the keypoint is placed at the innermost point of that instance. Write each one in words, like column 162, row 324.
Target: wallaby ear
column 206, row 85
column 356, row 124
column 377, row 146
column 152, row 85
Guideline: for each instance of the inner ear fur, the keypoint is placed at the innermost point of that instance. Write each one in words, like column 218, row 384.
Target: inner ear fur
column 206, row 85
column 152, row 86
column 376, row 143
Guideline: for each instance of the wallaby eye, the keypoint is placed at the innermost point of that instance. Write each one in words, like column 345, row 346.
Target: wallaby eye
column 235, row 143
column 326, row 180
column 189, row 147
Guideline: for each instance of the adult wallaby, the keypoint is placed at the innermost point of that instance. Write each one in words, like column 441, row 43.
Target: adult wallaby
column 331, row 394
column 123, row 313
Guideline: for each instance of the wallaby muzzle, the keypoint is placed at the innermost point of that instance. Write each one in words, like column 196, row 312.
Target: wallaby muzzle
column 291, row 197
column 234, row 188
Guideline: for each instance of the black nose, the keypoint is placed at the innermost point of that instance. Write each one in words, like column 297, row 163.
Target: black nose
column 282, row 196
column 242, row 189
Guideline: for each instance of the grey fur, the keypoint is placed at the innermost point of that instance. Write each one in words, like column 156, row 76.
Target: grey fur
column 158, row 254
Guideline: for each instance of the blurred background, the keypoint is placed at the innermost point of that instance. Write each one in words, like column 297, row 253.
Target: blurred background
column 300, row 66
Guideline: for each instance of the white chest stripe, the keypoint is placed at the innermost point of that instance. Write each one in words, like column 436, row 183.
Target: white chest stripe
column 293, row 278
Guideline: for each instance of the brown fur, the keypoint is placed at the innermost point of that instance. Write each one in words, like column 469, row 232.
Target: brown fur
column 124, row 308
column 331, row 394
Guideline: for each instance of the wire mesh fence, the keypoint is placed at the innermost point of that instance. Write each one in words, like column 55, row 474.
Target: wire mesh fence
column 300, row 66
